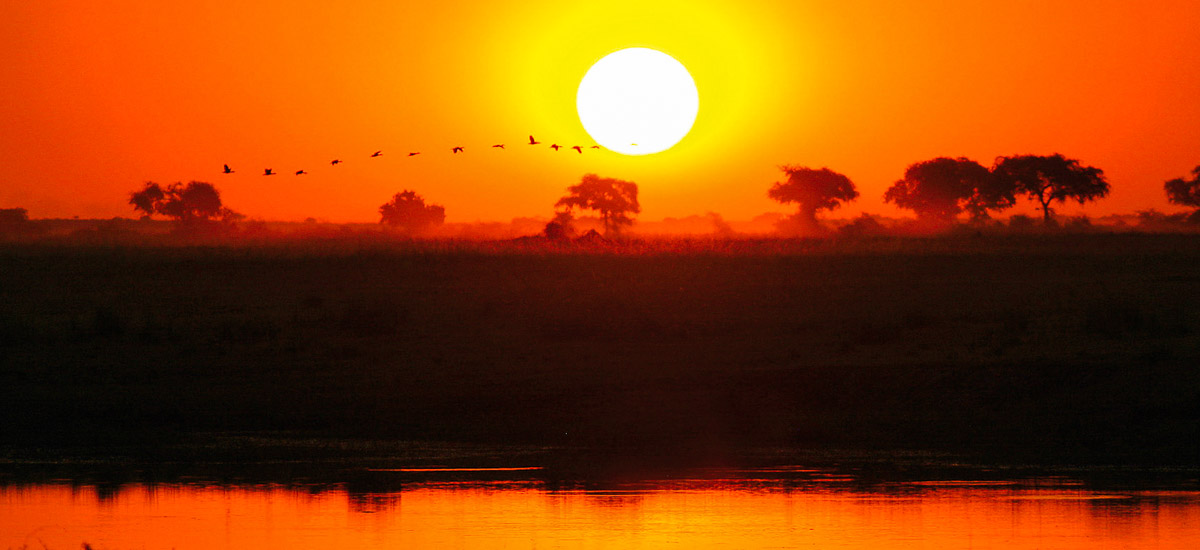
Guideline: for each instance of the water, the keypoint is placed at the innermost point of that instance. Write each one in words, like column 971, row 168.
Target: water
column 778, row 508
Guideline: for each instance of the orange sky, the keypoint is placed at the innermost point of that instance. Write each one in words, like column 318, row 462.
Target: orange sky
column 97, row 97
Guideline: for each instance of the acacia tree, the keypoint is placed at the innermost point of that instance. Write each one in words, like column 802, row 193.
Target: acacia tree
column 812, row 190
column 407, row 210
column 941, row 188
column 614, row 199
column 1186, row 193
column 1053, row 178
column 195, row 202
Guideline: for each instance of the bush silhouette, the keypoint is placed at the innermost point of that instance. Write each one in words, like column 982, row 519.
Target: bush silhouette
column 562, row 227
column 1186, row 193
column 407, row 210
column 13, row 216
column 13, row 219
column 196, row 202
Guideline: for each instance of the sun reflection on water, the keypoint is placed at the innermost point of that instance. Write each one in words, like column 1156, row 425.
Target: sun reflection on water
column 747, row 512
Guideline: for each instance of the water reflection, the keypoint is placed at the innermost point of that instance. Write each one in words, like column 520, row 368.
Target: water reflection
column 742, row 509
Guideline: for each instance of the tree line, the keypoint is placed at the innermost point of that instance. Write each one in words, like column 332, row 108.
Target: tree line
column 937, row 191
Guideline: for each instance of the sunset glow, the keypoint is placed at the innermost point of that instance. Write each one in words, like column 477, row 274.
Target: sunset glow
column 617, row 274
column 99, row 98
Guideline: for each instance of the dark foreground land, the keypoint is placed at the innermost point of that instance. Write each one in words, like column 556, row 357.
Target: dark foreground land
column 1033, row 348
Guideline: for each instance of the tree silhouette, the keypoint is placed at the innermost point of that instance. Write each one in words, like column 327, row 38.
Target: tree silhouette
column 1186, row 193
column 196, row 202
column 1047, row 179
column 407, row 210
column 812, row 190
column 941, row 188
column 614, row 199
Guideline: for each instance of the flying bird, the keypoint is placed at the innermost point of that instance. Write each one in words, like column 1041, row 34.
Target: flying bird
column 456, row 150
column 268, row 172
column 334, row 162
column 499, row 146
column 300, row 172
column 377, row 154
column 533, row 141
column 227, row 170
column 555, row 146
column 578, row 149
column 595, row 147
column 414, row 154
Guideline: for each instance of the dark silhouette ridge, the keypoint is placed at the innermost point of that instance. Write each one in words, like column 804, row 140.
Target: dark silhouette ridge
column 377, row 154
column 578, row 149
column 937, row 190
column 1053, row 178
column 556, row 146
column 498, row 146
column 812, row 190
column 227, row 170
column 456, row 150
column 13, row 217
column 407, row 210
column 614, row 199
column 592, row 238
column 334, row 162
column 268, row 172
column 533, row 141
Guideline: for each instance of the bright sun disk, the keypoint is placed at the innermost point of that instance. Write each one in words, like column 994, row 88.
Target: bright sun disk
column 637, row 101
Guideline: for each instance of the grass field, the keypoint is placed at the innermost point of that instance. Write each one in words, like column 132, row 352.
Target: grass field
column 1036, row 347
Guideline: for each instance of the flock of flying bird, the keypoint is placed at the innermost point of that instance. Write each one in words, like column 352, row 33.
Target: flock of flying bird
column 454, row 150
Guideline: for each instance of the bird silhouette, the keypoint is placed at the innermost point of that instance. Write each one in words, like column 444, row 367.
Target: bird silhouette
column 578, row 149
column 377, row 154
column 300, row 172
column 268, row 172
column 595, row 147
column 334, row 162
column 555, row 146
column 456, row 150
column 227, row 170
column 414, row 154
column 499, row 146
column 533, row 141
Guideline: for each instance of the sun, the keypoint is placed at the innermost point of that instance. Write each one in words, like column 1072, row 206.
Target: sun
column 637, row 101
